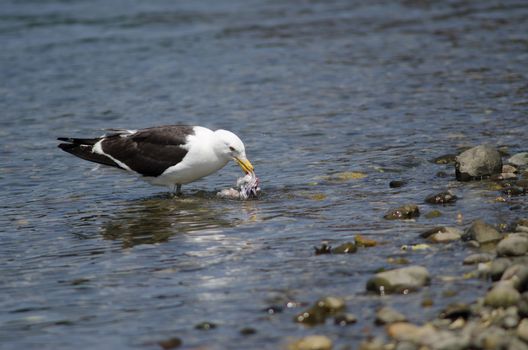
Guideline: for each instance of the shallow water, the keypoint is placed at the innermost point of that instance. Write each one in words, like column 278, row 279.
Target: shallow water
column 91, row 257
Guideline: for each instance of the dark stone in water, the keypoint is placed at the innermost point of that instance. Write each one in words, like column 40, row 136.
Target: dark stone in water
column 397, row 183
column 408, row 211
column 248, row 331
column 321, row 310
column 442, row 174
column 514, row 191
column 477, row 163
column 454, row 311
column 441, row 198
column 171, row 343
column 323, row 249
column 345, row 248
column 345, row 319
column 205, row 326
column 445, row 159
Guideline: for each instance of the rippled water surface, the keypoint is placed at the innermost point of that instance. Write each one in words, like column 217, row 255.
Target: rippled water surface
column 91, row 257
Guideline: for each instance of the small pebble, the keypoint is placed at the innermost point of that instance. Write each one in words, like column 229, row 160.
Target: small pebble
column 387, row 315
column 311, row 342
column 408, row 211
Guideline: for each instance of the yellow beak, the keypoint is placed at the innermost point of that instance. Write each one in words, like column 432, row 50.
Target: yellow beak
column 245, row 164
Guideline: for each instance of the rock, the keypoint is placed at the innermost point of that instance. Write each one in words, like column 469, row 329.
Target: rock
column 248, row 331
column 503, row 294
column 345, row 248
column 455, row 311
column 514, row 190
column 477, row 163
column 497, row 268
column 519, row 159
column 408, row 211
column 400, row 280
column 372, row 344
column 205, row 326
column 433, row 214
column 442, row 234
column 522, row 330
column 397, row 183
column 404, row 331
column 513, row 245
column 364, row 242
column 481, row 232
column 323, row 249
column 521, row 225
column 445, row 159
column 321, row 310
column 518, row 274
column 312, row 342
column 477, row 258
column 441, row 198
column 491, row 338
column 345, row 319
column 171, row 343
column 387, row 315
column 508, row 169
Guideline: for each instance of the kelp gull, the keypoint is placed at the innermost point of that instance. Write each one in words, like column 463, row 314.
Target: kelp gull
column 170, row 155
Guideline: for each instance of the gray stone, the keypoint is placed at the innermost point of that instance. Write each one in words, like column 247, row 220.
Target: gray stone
column 513, row 245
column 404, row 212
column 498, row 266
column 522, row 330
column 441, row 198
column 477, row 258
column 312, row 342
column 481, row 232
column 478, row 162
column 387, row 315
column 518, row 274
column 408, row 278
column 503, row 294
column 442, row 234
column 519, row 159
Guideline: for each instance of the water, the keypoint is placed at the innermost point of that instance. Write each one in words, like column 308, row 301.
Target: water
column 94, row 258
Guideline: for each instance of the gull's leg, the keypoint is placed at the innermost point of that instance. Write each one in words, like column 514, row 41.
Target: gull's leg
column 178, row 190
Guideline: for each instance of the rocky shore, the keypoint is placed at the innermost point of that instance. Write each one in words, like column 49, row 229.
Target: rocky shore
column 498, row 253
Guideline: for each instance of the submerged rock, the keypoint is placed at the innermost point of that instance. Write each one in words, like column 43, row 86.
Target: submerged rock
column 513, row 245
column 481, row 232
column 404, row 212
column 311, row 342
column 433, row 214
column 397, row 183
column 171, row 343
column 400, row 280
column 455, row 311
column 441, row 198
column 519, row 159
column 323, row 308
column 477, row 163
column 345, row 248
column 477, row 259
column 364, row 242
column 445, row 159
column 387, row 315
column 345, row 319
column 442, row 234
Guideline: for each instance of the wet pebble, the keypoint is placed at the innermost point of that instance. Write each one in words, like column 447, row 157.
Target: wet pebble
column 455, row 311
column 345, row 248
column 248, row 331
column 323, row 249
column 402, row 280
column 518, row 274
column 442, row 234
column 522, row 330
column 397, row 183
column 477, row 163
column 205, row 326
column 362, row 241
column 322, row 309
column 519, row 159
column 503, row 294
column 481, row 232
column 477, row 258
column 433, row 214
column 445, row 159
column 513, row 245
column 387, row 315
column 497, row 268
column 312, row 342
column 345, row 319
column 408, row 211
column 171, row 343
column 441, row 198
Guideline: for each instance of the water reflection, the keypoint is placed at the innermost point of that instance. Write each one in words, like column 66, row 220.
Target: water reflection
column 156, row 219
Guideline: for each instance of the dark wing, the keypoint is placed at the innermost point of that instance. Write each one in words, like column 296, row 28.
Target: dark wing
column 149, row 151
column 82, row 148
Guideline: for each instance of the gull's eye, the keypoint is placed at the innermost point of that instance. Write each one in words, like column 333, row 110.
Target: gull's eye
column 232, row 148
